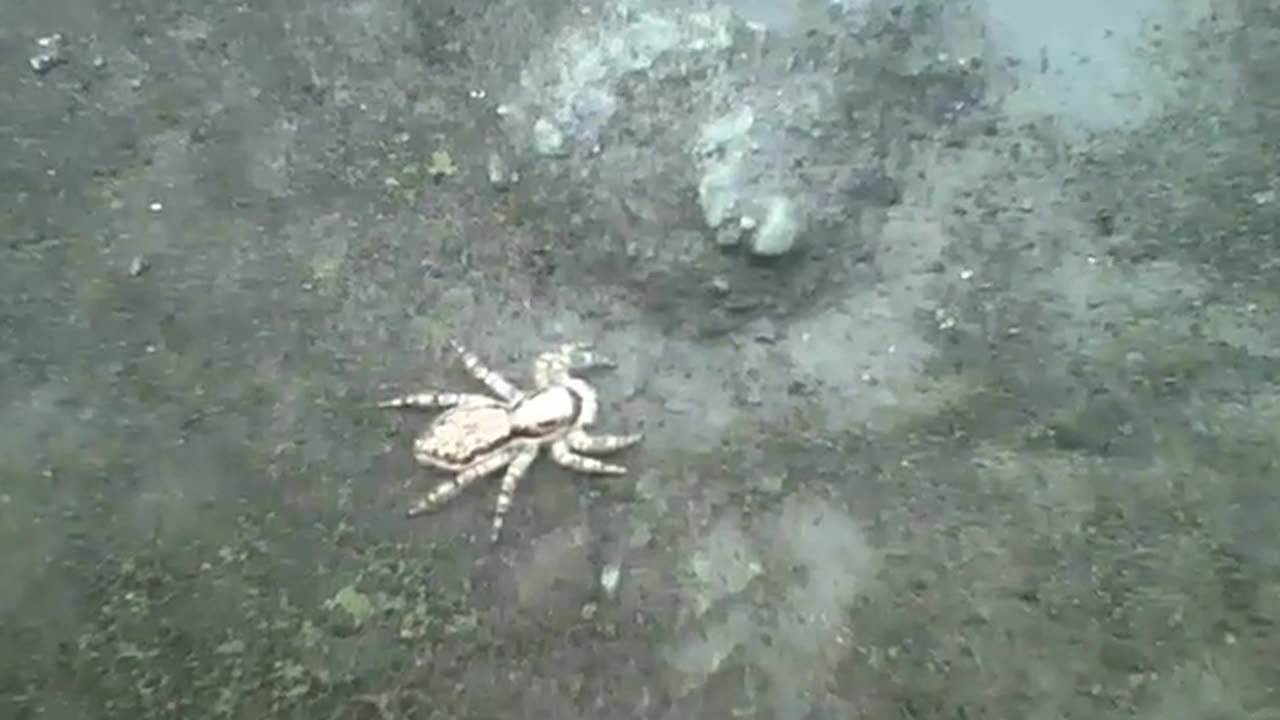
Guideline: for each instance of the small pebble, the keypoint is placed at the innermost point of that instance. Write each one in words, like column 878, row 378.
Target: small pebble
column 547, row 138
column 49, row 55
column 610, row 576
column 777, row 234
column 500, row 175
column 728, row 236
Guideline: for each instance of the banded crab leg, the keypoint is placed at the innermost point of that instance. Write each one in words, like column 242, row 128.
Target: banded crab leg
column 517, row 458
column 579, row 441
column 553, row 367
column 564, row 455
column 432, row 400
column 447, row 490
column 496, row 383
column 510, row 481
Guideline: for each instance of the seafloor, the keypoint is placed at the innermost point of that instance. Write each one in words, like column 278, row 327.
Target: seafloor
column 953, row 329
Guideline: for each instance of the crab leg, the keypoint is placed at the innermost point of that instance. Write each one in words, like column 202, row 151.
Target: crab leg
column 491, row 379
column 449, row 489
column 564, row 455
column 580, row 441
column 431, row 400
column 515, row 471
column 553, row 366
column 590, row 403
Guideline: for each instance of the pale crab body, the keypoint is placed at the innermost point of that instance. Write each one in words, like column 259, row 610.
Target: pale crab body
column 478, row 434
column 469, row 431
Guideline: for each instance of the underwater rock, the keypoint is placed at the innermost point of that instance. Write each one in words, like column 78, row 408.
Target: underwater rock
column 778, row 231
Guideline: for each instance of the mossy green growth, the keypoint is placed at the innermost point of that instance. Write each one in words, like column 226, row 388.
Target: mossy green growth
column 236, row 631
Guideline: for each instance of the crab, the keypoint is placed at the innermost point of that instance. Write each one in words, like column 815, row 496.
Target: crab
column 480, row 434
